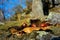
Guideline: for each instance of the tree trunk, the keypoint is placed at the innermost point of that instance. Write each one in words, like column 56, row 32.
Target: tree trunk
column 37, row 9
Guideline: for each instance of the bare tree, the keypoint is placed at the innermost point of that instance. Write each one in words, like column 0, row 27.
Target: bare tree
column 1, row 16
column 29, row 6
column 18, row 10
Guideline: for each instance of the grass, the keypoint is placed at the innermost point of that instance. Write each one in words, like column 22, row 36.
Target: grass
column 56, row 30
column 12, row 23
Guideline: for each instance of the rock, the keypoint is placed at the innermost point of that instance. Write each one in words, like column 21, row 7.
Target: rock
column 54, row 18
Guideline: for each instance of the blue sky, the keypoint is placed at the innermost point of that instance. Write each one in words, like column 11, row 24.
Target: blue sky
column 8, row 5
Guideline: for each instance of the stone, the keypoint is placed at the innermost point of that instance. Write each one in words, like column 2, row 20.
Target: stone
column 54, row 17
